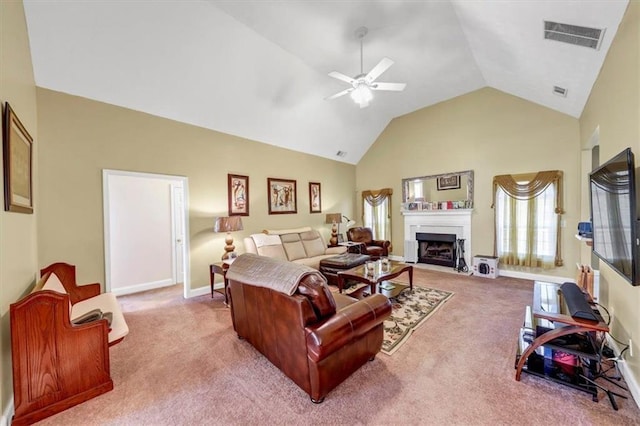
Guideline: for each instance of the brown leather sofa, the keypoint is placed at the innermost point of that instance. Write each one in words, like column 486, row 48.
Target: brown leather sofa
column 374, row 248
column 316, row 338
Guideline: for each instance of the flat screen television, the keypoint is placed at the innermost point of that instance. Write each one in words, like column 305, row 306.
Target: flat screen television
column 614, row 215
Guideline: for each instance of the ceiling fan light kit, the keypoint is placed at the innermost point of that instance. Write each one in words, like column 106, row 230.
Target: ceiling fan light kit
column 362, row 95
column 363, row 84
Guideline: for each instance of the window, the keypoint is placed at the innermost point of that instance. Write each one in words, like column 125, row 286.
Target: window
column 527, row 217
column 376, row 212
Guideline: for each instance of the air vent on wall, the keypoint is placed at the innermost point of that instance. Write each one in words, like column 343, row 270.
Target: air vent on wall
column 573, row 34
column 560, row 91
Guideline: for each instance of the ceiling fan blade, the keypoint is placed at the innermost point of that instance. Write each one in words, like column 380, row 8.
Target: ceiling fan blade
column 340, row 76
column 337, row 95
column 395, row 87
column 382, row 66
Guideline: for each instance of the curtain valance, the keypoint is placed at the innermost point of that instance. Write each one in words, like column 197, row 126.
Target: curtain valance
column 376, row 197
column 535, row 186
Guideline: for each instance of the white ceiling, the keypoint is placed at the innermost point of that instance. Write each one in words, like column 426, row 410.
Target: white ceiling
column 258, row 69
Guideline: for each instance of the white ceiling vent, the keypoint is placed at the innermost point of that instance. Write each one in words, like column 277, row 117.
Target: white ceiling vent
column 341, row 153
column 560, row 91
column 573, row 34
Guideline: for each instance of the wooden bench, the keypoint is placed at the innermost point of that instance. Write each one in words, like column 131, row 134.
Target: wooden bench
column 58, row 364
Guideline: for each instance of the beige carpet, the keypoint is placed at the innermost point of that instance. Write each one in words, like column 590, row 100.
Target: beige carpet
column 182, row 364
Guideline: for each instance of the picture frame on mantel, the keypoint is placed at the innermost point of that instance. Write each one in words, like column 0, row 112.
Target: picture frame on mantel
column 448, row 182
column 315, row 200
column 17, row 149
column 282, row 196
column 238, row 195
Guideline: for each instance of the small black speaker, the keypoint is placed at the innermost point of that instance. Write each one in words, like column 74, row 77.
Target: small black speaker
column 576, row 302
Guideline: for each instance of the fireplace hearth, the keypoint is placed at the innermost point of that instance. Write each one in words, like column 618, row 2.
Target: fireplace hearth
column 436, row 249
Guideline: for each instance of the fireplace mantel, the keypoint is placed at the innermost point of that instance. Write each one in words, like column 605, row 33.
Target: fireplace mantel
column 453, row 221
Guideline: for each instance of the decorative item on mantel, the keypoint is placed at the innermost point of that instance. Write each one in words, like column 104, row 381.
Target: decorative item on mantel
column 442, row 205
column 334, row 219
column 228, row 224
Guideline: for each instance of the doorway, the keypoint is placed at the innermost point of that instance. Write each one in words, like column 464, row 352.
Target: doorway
column 145, row 231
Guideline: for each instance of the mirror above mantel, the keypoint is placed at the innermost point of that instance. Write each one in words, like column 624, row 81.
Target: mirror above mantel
column 438, row 192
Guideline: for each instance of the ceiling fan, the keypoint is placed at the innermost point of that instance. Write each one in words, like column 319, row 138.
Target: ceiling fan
column 363, row 84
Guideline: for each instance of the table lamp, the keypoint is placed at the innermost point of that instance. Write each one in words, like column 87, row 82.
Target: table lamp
column 334, row 219
column 228, row 224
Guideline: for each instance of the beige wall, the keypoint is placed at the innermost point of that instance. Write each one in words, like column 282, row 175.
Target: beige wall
column 18, row 242
column 614, row 107
column 491, row 133
column 81, row 137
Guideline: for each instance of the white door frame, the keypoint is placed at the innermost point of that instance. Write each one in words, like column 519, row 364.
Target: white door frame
column 184, row 181
column 177, row 257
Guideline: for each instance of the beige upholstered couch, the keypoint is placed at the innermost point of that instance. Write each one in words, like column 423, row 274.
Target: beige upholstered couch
column 301, row 245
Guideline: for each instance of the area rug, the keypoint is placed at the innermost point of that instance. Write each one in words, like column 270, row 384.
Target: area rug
column 410, row 310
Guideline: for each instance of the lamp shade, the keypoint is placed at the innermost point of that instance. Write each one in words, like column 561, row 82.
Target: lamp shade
column 334, row 218
column 228, row 224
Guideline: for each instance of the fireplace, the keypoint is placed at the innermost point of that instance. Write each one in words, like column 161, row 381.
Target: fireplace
column 453, row 222
column 436, row 249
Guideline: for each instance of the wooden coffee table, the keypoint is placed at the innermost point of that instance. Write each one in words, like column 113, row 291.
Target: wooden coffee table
column 379, row 274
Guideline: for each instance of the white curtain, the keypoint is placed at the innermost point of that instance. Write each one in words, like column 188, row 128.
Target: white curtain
column 527, row 219
column 526, row 229
column 376, row 211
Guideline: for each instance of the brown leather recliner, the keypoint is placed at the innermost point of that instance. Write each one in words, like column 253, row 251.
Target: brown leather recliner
column 374, row 248
column 316, row 338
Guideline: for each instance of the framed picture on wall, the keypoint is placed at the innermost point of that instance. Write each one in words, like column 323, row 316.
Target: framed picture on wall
column 448, row 182
column 282, row 196
column 315, row 202
column 17, row 146
column 238, row 195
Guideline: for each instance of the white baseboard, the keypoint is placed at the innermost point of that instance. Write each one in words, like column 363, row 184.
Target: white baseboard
column 438, row 268
column 203, row 290
column 7, row 414
column 502, row 273
column 534, row 276
column 142, row 287
column 632, row 383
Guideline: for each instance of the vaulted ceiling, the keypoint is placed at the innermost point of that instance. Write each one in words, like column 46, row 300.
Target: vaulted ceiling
column 258, row 69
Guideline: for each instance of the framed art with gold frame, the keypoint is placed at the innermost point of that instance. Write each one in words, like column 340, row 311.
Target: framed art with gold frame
column 17, row 146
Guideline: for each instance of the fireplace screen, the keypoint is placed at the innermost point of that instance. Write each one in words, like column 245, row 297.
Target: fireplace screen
column 437, row 249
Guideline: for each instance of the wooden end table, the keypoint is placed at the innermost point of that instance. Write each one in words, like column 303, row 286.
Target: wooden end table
column 221, row 269
column 380, row 274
